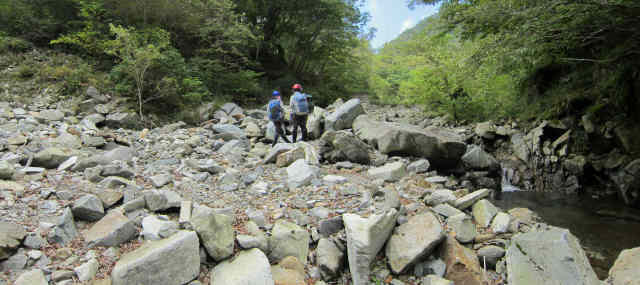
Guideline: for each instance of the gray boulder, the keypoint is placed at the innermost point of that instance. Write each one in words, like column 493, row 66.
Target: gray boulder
column 6, row 170
column 365, row 238
column 419, row 166
column 548, row 256
column 625, row 269
column 52, row 157
column 65, row 229
column 112, row 230
column 446, row 210
column 413, row 240
column 315, row 123
column 32, row 277
column 490, row 254
column 389, row 172
column 463, row 227
column 205, row 165
column 343, row 117
column 344, row 146
column 485, row 130
column 88, row 208
column 249, row 267
column 477, row 159
column 628, row 183
column 11, row 236
column 300, row 174
column 158, row 227
column 175, row 260
column 440, row 196
column 500, row 223
column 483, row 212
column 288, row 239
column 122, row 120
column 277, row 150
column 215, row 232
column 330, row 258
column 228, row 129
column 49, row 115
column 441, row 147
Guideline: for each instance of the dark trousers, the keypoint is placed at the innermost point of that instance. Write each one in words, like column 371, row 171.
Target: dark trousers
column 299, row 121
column 279, row 132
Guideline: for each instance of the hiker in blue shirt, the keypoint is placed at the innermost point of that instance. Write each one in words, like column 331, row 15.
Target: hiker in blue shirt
column 299, row 104
column 276, row 115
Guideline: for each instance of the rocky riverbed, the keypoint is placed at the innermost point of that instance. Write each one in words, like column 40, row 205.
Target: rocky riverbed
column 88, row 197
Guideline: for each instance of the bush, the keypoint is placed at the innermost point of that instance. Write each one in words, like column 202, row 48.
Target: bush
column 13, row 44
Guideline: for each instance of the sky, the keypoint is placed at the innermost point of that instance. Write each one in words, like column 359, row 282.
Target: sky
column 392, row 17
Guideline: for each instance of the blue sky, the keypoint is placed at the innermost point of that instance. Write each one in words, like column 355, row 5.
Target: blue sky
column 392, row 17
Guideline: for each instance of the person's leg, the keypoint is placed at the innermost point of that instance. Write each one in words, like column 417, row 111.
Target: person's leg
column 295, row 128
column 275, row 138
column 303, row 125
column 279, row 130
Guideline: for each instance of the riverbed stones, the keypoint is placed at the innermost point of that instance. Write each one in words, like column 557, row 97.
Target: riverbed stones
column 389, row 172
column 463, row 227
column 490, row 255
column 419, row 166
column 343, row 117
column 625, row 269
column 365, row 238
column 88, row 208
column 52, row 157
column 468, row 200
column 413, row 240
column 11, row 235
column 289, row 272
column 249, row 267
column 174, row 260
column 477, row 159
column 215, row 232
column 288, row 239
column 462, row 263
column 87, row 271
column 483, row 212
column 548, row 256
column 344, row 146
column 157, row 227
column 112, row 230
column 446, row 210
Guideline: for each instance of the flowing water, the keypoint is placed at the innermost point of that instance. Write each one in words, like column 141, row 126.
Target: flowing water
column 603, row 226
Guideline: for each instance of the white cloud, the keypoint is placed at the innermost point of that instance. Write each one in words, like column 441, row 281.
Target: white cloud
column 408, row 23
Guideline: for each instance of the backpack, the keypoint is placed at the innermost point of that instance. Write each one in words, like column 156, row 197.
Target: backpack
column 275, row 110
column 300, row 103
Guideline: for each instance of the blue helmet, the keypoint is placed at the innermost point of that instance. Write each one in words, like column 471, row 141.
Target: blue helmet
column 275, row 93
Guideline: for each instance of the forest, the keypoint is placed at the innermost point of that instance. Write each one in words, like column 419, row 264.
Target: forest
column 474, row 60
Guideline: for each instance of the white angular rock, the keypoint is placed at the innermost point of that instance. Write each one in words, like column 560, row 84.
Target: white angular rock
column 343, row 117
column 87, row 271
column 112, row 230
column 625, row 269
column 155, row 228
column 215, row 232
column 175, row 260
column 413, row 240
column 365, row 238
column 389, row 172
column 419, row 166
column 288, row 239
column 441, row 196
column 471, row 198
column 33, row 277
column 249, row 267
column 300, row 173
column 500, row 223
column 446, row 210
column 329, row 259
column 89, row 208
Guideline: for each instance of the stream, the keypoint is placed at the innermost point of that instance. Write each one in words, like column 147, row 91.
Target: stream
column 604, row 226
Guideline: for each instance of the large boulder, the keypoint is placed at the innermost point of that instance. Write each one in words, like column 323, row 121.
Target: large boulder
column 288, row 239
column 88, row 208
column 548, row 256
column 462, row 227
column 249, row 267
column 275, row 151
column 365, row 238
column 117, row 154
column 344, row 146
column 6, row 170
column 215, row 232
column 625, row 269
column 123, row 120
column 32, row 277
column 315, row 122
column 112, row 230
column 49, row 115
column 483, row 212
column 343, row 117
column 228, row 129
column 11, row 236
column 289, row 272
column 413, row 240
column 330, row 258
column 468, row 200
column 442, row 148
column 175, row 260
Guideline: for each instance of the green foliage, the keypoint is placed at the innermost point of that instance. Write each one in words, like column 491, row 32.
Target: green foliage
column 93, row 37
column 37, row 21
column 13, row 44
